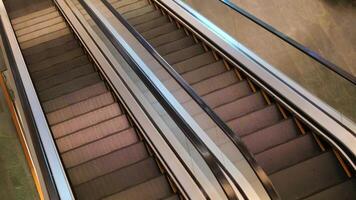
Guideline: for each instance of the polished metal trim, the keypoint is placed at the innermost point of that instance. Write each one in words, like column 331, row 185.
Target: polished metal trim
column 57, row 183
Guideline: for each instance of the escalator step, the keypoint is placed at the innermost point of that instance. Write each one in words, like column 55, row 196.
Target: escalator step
column 260, row 119
column 51, row 15
column 204, row 72
column 194, row 62
column 80, row 108
column 156, row 188
column 33, row 15
column 119, row 180
column 145, row 18
column 154, row 23
column 175, row 45
column 48, row 47
column 308, row 177
column 167, row 38
column 271, row 136
column 215, row 83
column 241, row 107
column 99, row 147
column 343, row 191
column 68, row 87
column 292, row 152
column 62, row 59
column 64, row 77
column 39, row 26
column 138, row 12
column 93, row 133
column 184, row 54
column 86, row 120
column 42, row 32
column 132, row 6
column 74, row 97
column 45, row 38
column 227, row 94
column 107, row 163
column 60, row 68
column 159, row 31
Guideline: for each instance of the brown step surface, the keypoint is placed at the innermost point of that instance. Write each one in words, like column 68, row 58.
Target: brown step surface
column 138, row 12
column 194, row 62
column 175, row 45
column 107, row 163
column 80, row 108
column 255, row 121
column 156, row 188
column 184, row 54
column 39, row 26
column 74, row 97
column 145, row 18
column 308, row 177
column 69, row 87
column 204, row 72
column 343, row 191
column 99, row 147
column 85, row 120
column 154, row 23
column 93, row 133
column 241, row 107
column 271, row 136
column 61, row 78
column 49, row 45
column 163, row 39
column 288, row 154
column 159, row 31
column 227, row 94
column 119, row 180
column 132, row 6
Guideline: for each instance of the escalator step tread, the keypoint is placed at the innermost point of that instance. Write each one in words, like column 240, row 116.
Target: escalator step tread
column 175, row 45
column 261, row 118
column 145, row 18
column 64, row 77
column 215, row 83
column 108, row 163
column 271, row 136
column 132, row 6
column 120, row 180
column 49, row 45
column 86, row 120
column 99, row 147
column 74, row 97
column 38, row 26
column 241, row 107
column 93, row 133
column 343, row 191
column 138, row 12
column 204, row 72
column 194, row 62
column 288, row 154
column 154, row 23
column 308, row 177
column 159, row 31
column 59, row 69
column 51, row 15
column 184, row 54
column 156, row 188
column 69, row 87
column 163, row 39
column 52, row 52
column 227, row 94
column 42, row 32
column 80, row 108
column 33, row 15
column 45, row 38
column 61, row 59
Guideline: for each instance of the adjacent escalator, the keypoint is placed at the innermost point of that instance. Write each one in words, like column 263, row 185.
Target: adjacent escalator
column 103, row 153
column 299, row 163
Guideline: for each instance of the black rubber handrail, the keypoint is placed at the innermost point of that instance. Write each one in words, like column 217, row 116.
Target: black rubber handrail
column 213, row 163
column 310, row 53
column 266, row 182
column 34, row 133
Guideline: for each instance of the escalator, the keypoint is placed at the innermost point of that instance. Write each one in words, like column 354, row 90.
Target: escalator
column 104, row 154
column 300, row 164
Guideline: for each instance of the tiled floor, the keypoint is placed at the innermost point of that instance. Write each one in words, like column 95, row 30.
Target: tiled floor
column 16, row 182
column 325, row 27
